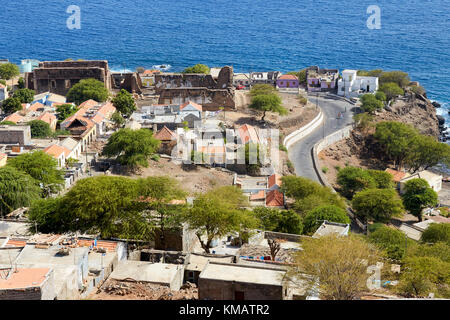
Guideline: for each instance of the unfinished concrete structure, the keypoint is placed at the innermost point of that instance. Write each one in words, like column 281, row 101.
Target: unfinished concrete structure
column 59, row 76
column 227, row 281
column 200, row 88
column 20, row 135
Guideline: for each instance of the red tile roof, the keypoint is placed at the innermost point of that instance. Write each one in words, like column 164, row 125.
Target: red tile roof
column 35, row 106
column 16, row 243
column 274, row 198
column 47, row 117
column 397, row 175
column 275, row 179
column 15, row 117
column 260, row 195
column 110, row 246
column 88, row 104
column 195, row 105
column 165, row 134
column 55, row 150
column 25, row 278
column 288, row 77
column 248, row 134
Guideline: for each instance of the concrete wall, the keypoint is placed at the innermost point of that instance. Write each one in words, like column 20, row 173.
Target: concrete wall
column 225, row 290
column 15, row 135
column 303, row 131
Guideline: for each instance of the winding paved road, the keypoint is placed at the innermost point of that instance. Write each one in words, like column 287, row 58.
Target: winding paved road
column 300, row 152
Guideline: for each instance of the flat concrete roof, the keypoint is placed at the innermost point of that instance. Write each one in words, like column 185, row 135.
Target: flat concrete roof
column 8, row 256
column 144, row 271
column 198, row 262
column 32, row 255
column 11, row 228
column 243, row 273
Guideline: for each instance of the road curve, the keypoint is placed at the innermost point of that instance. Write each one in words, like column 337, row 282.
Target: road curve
column 300, row 152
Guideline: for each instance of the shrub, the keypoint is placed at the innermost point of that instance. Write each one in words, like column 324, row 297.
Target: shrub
column 315, row 217
column 437, row 232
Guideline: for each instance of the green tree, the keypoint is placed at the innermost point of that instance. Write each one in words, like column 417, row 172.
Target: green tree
column 267, row 102
column 17, row 189
column 252, row 158
column 132, row 148
column 9, row 71
column 425, row 152
column 41, row 167
column 108, row 205
column 380, row 96
column 437, row 232
column 157, row 194
column 364, row 121
column 332, row 265
column 301, row 75
column 401, row 79
column 117, row 119
column 21, row 83
column 378, row 205
column 46, row 215
column 124, row 103
column 40, row 129
column 391, row 90
column 440, row 250
column 64, row 111
column 11, row 105
column 423, row 275
column 286, row 221
column 371, row 73
column 216, row 213
column 262, row 89
column 418, row 90
column 395, row 138
column 383, row 179
column 24, row 95
column 198, row 68
column 370, row 103
column 390, row 240
column 417, row 196
column 316, row 217
column 352, row 180
column 88, row 89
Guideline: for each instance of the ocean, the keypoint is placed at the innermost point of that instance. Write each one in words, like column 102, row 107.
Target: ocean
column 250, row 35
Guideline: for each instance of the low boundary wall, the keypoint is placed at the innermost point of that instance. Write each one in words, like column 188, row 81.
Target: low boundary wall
column 303, row 131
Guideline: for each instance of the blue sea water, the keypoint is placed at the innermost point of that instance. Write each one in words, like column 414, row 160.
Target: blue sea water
column 251, row 35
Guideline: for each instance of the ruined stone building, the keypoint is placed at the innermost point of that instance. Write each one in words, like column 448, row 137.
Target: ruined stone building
column 200, row 88
column 59, row 76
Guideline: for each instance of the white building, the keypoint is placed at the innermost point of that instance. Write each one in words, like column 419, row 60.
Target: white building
column 352, row 85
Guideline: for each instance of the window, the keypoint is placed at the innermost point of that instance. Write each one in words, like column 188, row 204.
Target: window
column 239, row 295
column 67, row 84
column 53, row 84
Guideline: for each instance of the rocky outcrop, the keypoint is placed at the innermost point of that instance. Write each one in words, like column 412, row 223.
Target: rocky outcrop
column 415, row 110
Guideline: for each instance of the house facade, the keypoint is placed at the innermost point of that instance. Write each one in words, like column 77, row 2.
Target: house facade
column 3, row 92
column 351, row 85
column 321, row 80
column 264, row 77
column 288, row 82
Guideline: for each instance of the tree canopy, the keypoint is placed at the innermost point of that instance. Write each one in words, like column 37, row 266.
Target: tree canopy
column 124, row 103
column 378, row 205
column 132, row 148
column 332, row 266
column 393, row 241
column 218, row 212
column 198, row 68
column 391, row 90
column 11, row 105
column 41, row 167
column 437, row 232
column 286, row 221
column 316, row 217
column 64, row 111
column 370, row 103
column 417, row 196
column 353, row 179
column 88, row 89
column 267, row 102
column 24, row 95
column 9, row 71
column 17, row 189
column 40, row 129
